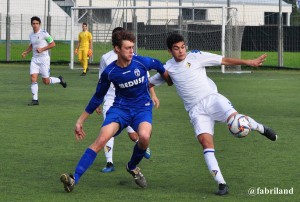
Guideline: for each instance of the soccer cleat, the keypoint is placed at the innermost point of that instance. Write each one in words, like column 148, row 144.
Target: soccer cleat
column 33, row 102
column 269, row 133
column 138, row 176
column 223, row 190
column 147, row 154
column 108, row 168
column 83, row 74
column 62, row 81
column 68, row 181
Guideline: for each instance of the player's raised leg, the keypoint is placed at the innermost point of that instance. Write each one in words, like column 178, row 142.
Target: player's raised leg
column 262, row 129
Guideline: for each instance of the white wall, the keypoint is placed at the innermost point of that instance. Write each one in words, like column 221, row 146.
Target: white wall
column 22, row 10
column 250, row 12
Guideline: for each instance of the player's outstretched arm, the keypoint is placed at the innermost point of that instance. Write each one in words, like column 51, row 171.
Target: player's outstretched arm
column 79, row 132
column 258, row 61
column 254, row 63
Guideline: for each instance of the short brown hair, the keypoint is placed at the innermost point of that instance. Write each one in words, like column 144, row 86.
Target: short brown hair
column 120, row 36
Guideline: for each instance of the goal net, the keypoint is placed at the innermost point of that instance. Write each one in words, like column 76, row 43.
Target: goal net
column 211, row 29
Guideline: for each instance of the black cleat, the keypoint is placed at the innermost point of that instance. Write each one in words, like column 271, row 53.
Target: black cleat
column 269, row 133
column 223, row 190
column 138, row 177
column 68, row 181
column 83, row 74
column 62, row 81
column 33, row 102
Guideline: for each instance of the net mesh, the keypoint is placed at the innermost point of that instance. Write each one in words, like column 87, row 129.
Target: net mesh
column 200, row 26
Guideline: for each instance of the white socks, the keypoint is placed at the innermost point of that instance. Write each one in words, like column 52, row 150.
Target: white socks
column 108, row 150
column 213, row 167
column 256, row 126
column 34, row 90
column 54, row 80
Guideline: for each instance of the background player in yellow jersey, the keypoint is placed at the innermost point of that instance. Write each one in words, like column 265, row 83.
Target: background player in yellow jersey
column 84, row 48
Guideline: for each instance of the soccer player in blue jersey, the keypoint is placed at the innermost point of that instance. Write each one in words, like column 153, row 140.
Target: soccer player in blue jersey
column 109, row 98
column 132, row 106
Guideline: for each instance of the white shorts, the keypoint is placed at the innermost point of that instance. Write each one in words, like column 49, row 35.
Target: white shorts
column 106, row 107
column 40, row 65
column 212, row 108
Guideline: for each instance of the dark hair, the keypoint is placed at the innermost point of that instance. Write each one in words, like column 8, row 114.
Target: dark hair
column 120, row 36
column 84, row 23
column 117, row 29
column 172, row 39
column 35, row 18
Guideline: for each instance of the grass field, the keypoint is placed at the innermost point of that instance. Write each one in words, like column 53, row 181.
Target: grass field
column 38, row 145
column 61, row 53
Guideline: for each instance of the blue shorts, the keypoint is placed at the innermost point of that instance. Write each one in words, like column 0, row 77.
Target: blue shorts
column 128, row 117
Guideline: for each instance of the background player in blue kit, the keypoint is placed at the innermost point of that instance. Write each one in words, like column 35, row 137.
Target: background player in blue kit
column 132, row 106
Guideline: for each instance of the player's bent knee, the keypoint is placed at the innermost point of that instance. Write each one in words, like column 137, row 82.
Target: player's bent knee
column 46, row 81
column 143, row 143
column 206, row 140
column 133, row 136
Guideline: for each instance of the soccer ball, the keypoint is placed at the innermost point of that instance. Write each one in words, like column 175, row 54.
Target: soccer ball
column 239, row 125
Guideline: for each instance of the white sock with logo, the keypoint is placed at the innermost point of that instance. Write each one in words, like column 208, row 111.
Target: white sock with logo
column 256, row 126
column 108, row 150
column 212, row 164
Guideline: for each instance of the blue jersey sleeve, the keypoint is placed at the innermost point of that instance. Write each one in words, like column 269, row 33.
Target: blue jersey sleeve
column 101, row 90
column 157, row 65
column 152, row 63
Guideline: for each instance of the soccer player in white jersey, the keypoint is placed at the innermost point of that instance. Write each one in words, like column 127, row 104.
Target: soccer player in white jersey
column 106, row 59
column 201, row 98
column 40, row 43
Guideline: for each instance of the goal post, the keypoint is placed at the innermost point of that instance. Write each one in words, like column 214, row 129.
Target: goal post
column 213, row 29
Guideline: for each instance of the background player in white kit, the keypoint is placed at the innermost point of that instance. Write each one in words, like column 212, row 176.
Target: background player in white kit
column 201, row 98
column 106, row 59
column 40, row 43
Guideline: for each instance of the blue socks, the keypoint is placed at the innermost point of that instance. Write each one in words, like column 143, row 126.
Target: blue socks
column 84, row 163
column 136, row 157
column 89, row 156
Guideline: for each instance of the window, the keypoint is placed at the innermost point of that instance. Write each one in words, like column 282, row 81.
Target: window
column 199, row 14
column 271, row 18
column 98, row 15
column 67, row 9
